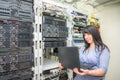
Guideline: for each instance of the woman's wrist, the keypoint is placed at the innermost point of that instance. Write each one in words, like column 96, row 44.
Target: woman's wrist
column 89, row 72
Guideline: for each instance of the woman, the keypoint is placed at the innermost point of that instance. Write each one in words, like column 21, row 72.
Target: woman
column 94, row 56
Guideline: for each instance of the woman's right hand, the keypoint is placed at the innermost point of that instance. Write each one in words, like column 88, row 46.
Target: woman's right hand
column 60, row 66
column 76, row 70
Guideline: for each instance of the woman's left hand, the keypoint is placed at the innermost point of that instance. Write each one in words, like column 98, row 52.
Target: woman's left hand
column 84, row 72
column 81, row 72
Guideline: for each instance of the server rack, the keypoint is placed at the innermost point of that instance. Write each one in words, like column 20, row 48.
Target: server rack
column 17, row 61
column 79, row 21
column 50, row 30
column 16, row 54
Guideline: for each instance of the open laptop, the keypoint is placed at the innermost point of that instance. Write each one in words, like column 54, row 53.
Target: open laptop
column 69, row 57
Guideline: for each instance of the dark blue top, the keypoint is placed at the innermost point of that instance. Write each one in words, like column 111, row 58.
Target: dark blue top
column 93, row 59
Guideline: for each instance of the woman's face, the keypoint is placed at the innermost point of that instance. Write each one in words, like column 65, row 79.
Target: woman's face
column 88, row 38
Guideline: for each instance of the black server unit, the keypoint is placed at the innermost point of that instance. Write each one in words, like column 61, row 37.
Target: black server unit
column 54, row 31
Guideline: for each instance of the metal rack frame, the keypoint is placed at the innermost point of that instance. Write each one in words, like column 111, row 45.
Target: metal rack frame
column 38, row 46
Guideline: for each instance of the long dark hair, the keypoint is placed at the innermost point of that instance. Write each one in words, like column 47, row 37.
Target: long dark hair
column 99, row 45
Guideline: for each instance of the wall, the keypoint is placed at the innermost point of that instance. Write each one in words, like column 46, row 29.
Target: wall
column 110, row 32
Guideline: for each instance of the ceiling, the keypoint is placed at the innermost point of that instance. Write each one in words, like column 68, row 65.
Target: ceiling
column 104, row 2
column 94, row 3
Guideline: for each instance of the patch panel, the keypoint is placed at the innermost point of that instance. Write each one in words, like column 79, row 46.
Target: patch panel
column 4, row 9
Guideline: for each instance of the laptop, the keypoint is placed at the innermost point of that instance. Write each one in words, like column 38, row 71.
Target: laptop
column 69, row 57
